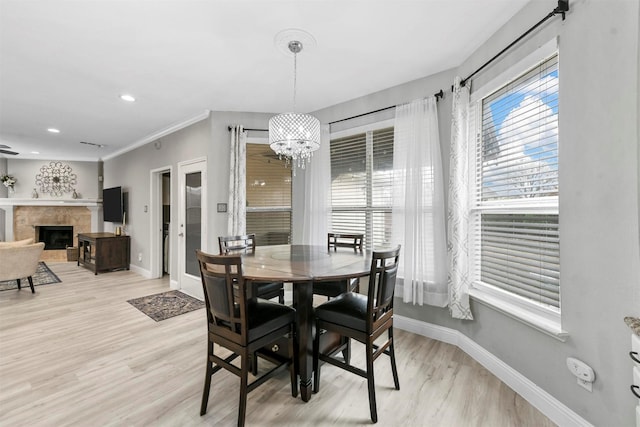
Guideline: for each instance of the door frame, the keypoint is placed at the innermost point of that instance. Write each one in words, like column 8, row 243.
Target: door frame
column 155, row 221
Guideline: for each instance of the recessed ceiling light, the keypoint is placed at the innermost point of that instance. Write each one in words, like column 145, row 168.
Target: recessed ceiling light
column 35, row 152
column 53, row 130
column 128, row 98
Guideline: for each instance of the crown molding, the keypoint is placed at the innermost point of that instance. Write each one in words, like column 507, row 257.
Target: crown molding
column 164, row 132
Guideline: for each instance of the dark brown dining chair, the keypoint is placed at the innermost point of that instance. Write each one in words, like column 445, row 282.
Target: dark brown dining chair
column 345, row 240
column 242, row 325
column 244, row 244
column 364, row 318
column 334, row 288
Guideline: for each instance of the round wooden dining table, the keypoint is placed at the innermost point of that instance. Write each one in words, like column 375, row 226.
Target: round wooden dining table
column 302, row 265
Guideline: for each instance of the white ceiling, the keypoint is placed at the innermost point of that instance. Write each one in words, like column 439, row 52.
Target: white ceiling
column 64, row 63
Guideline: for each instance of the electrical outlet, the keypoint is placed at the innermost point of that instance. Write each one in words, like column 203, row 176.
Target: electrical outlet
column 583, row 372
column 140, row 257
column 585, row 384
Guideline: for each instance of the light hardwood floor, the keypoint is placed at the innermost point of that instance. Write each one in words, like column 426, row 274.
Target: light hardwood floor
column 76, row 353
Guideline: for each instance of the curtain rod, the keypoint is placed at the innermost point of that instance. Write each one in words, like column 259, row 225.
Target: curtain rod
column 563, row 6
column 254, row 130
column 438, row 95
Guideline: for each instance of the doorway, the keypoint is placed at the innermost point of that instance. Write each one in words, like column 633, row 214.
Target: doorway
column 166, row 223
column 160, row 223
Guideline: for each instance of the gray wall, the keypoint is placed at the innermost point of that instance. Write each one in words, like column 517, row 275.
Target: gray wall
column 25, row 171
column 3, row 169
column 3, row 194
column 599, row 197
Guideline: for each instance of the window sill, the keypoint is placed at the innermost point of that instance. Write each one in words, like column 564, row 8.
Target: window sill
column 540, row 323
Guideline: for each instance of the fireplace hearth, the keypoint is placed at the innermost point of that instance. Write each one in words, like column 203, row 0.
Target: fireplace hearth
column 55, row 236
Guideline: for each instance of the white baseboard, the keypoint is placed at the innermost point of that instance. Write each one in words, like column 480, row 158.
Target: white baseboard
column 173, row 284
column 555, row 410
column 141, row 271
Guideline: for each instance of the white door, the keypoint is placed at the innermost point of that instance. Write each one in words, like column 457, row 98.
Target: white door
column 192, row 223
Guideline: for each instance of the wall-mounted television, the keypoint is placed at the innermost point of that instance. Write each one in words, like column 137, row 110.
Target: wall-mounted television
column 113, row 204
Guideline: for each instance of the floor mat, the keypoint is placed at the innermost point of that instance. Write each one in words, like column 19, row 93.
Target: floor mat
column 43, row 276
column 166, row 304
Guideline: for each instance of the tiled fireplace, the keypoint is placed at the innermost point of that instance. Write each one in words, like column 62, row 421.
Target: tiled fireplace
column 27, row 218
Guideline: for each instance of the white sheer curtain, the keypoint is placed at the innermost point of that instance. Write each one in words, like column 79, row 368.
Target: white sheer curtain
column 458, row 209
column 236, row 224
column 418, row 203
column 317, row 193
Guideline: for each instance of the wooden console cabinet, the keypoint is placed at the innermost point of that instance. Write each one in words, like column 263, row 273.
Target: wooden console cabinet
column 104, row 251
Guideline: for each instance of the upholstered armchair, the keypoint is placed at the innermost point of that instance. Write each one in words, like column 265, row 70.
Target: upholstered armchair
column 16, row 243
column 20, row 261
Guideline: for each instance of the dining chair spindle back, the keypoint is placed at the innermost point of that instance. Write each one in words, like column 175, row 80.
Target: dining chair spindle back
column 247, row 244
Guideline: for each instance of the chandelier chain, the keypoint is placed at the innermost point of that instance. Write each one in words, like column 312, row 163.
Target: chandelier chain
column 295, row 78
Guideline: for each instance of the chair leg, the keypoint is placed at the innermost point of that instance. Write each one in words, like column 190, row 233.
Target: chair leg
column 281, row 295
column 392, row 356
column 371, row 383
column 346, row 353
column 33, row 291
column 19, row 287
column 207, row 380
column 244, row 391
column 254, row 364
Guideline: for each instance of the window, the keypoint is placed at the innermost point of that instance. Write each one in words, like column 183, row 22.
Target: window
column 361, row 182
column 268, row 196
column 514, row 214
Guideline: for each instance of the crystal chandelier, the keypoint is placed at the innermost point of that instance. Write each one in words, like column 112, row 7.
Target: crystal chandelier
column 294, row 136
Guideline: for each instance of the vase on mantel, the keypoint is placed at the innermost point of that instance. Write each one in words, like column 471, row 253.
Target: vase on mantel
column 74, row 195
column 34, row 194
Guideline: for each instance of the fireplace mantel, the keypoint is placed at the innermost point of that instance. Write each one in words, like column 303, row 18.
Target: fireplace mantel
column 49, row 202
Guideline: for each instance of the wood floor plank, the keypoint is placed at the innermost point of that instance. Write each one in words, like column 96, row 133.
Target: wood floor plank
column 76, row 353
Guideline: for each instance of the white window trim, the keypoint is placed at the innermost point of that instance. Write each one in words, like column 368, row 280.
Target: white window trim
column 540, row 205
column 252, row 139
column 363, row 129
column 269, row 209
column 544, row 319
column 543, row 52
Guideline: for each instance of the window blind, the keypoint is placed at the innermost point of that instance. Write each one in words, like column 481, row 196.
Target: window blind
column 519, row 151
column 361, row 185
column 268, row 179
column 521, row 254
column 515, row 213
column 268, row 183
